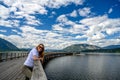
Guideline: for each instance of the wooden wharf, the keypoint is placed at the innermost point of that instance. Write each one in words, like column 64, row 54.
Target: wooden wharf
column 11, row 64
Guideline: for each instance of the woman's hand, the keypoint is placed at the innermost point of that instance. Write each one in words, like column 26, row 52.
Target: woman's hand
column 38, row 58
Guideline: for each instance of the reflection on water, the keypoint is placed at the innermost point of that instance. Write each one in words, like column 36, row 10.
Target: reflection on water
column 84, row 68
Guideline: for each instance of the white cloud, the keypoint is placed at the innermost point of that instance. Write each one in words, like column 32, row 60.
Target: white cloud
column 4, row 12
column 60, row 29
column 24, row 5
column 5, row 23
column 14, row 39
column 72, row 27
column 94, row 29
column 32, row 30
column 80, row 36
column 73, row 14
column 14, row 23
column 9, row 23
column 113, row 30
column 31, row 20
column 98, row 36
column 98, row 25
column 110, row 10
column 62, row 19
column 59, row 3
column 94, row 20
column 64, row 33
column 53, row 12
column 77, row 29
column 2, row 36
column 20, row 10
column 57, row 27
column 14, row 30
column 78, row 2
column 33, row 7
column 52, row 35
column 3, row 30
column 105, row 42
column 30, row 36
column 85, row 12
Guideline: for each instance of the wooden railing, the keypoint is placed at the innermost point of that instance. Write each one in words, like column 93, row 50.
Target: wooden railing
column 4, row 56
column 38, row 72
column 49, row 56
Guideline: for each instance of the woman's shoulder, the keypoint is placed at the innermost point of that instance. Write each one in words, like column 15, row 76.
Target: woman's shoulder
column 33, row 49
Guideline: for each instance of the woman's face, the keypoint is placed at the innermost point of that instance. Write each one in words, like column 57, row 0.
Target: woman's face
column 40, row 48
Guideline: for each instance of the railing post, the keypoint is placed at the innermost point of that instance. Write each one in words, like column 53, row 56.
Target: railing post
column 0, row 57
column 14, row 55
column 6, row 56
column 11, row 55
column 18, row 55
column 23, row 54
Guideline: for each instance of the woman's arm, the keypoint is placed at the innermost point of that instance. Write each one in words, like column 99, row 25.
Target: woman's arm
column 37, row 58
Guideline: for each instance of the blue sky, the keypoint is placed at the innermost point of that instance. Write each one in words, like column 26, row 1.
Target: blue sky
column 60, row 23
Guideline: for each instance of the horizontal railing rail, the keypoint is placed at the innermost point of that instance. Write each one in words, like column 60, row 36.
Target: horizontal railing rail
column 4, row 56
column 38, row 72
column 50, row 55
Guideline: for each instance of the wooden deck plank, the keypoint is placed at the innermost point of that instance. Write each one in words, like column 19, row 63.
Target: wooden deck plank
column 11, row 70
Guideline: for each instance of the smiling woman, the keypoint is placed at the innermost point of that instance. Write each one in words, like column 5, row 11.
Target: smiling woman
column 34, row 54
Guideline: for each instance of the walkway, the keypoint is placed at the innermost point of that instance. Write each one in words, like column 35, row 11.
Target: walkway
column 11, row 70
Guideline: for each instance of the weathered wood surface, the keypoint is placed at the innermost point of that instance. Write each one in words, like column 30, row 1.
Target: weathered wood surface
column 4, row 56
column 38, row 72
column 11, row 70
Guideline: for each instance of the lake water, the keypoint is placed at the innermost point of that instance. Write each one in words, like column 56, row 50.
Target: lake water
column 87, row 67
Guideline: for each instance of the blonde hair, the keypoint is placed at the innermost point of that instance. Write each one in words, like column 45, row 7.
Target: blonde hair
column 41, row 53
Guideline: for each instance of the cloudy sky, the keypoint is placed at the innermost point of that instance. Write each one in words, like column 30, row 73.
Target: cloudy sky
column 60, row 23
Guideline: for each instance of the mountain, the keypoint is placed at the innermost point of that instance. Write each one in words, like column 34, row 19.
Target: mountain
column 80, row 47
column 112, row 47
column 6, row 45
column 53, row 50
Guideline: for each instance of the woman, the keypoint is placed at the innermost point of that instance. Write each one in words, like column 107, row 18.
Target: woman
column 34, row 54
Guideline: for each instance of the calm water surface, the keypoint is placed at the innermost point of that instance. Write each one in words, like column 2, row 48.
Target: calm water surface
column 84, row 68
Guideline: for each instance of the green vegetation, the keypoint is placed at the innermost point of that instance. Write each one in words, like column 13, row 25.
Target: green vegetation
column 7, row 46
column 89, row 48
column 80, row 48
